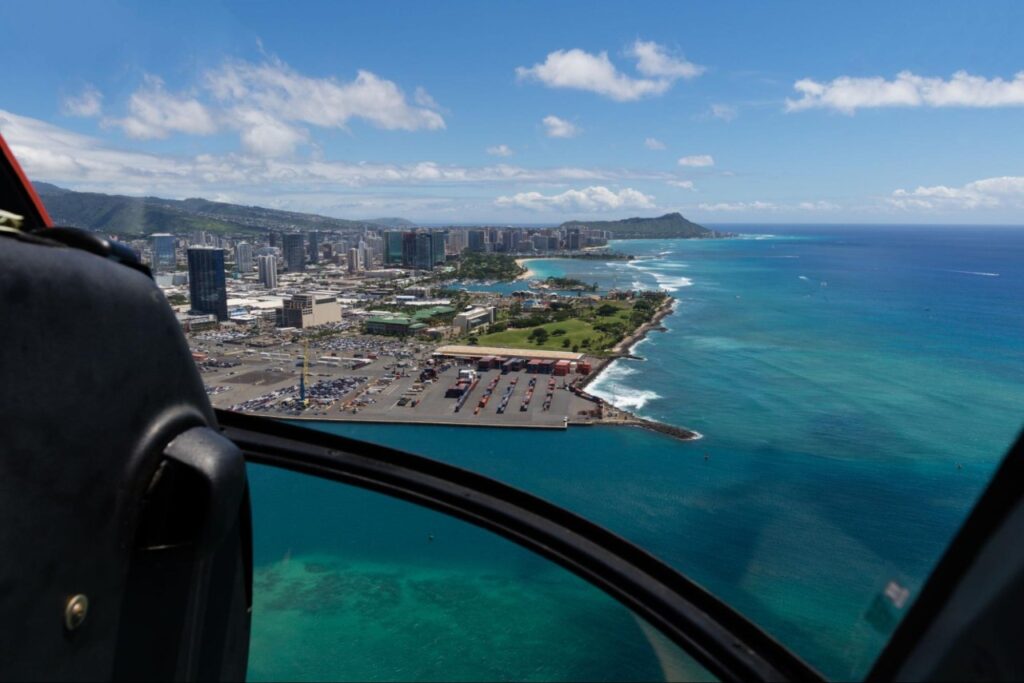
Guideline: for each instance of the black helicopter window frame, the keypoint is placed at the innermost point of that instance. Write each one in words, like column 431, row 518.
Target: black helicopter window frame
column 723, row 641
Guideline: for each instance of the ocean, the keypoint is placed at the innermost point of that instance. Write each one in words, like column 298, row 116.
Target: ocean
column 856, row 387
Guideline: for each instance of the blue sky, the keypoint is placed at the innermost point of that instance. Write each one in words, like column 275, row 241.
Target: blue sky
column 530, row 112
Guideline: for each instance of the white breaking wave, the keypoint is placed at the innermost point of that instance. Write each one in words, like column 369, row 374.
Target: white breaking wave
column 672, row 283
column 616, row 371
column 975, row 272
column 804, row 277
column 639, row 263
column 609, row 386
column 631, row 399
column 624, row 397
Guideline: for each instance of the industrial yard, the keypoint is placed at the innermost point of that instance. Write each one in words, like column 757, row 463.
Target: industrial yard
column 429, row 388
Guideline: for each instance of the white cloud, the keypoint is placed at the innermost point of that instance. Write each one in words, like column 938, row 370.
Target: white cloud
column 500, row 151
column 697, row 160
column 280, row 92
column 265, row 135
column 847, row 94
column 654, row 143
column 268, row 102
column 559, row 128
column 725, row 112
column 424, row 99
column 54, row 154
column 581, row 70
column 594, row 198
column 739, row 206
column 758, row 205
column 87, row 103
column 684, row 184
column 654, row 60
column 820, row 205
column 986, row 193
column 156, row 113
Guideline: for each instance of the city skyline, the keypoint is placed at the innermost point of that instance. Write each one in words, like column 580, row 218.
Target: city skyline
column 724, row 115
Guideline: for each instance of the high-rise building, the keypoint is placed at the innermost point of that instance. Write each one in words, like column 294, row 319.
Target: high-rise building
column 243, row 258
column 477, row 241
column 206, row 285
column 353, row 260
column 456, row 242
column 314, row 247
column 163, row 252
column 572, row 239
column 438, row 239
column 409, row 249
column 515, row 236
column 268, row 271
column 294, row 252
column 540, row 242
column 393, row 247
column 424, row 251
column 376, row 245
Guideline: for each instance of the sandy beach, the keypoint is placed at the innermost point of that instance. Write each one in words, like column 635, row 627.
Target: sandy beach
column 525, row 263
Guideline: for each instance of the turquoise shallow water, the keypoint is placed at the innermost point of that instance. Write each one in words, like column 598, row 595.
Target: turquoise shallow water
column 856, row 388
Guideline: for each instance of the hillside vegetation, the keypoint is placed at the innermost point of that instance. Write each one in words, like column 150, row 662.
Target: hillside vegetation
column 669, row 225
column 123, row 215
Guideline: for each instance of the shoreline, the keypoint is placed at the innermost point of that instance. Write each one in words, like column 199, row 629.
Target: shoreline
column 529, row 274
column 607, row 414
column 623, row 350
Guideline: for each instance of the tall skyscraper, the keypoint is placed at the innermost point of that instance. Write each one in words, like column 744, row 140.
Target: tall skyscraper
column 424, row 251
column 456, row 242
column 353, row 260
column 294, row 252
column 438, row 237
column 243, row 258
column 206, row 285
column 409, row 249
column 393, row 247
column 478, row 241
column 314, row 247
column 268, row 271
column 572, row 239
column 376, row 244
column 515, row 236
column 163, row 252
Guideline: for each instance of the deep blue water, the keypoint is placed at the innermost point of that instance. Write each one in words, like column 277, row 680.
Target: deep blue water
column 856, row 387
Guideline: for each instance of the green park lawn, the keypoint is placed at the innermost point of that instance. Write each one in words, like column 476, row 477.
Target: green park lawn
column 576, row 330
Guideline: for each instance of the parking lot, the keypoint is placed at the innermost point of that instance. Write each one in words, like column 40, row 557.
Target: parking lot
column 390, row 389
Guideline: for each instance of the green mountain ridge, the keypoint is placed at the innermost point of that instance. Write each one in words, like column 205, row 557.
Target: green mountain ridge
column 669, row 225
column 125, row 215
column 130, row 216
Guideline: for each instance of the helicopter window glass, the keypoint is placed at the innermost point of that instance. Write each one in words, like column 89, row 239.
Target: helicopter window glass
column 350, row 584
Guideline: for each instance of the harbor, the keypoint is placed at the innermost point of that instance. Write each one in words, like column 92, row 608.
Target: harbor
column 451, row 385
